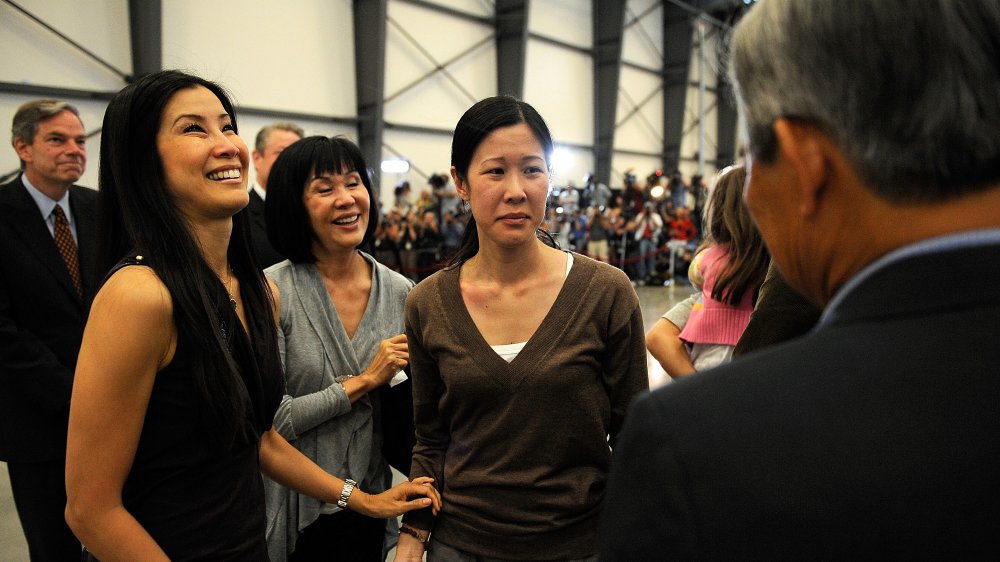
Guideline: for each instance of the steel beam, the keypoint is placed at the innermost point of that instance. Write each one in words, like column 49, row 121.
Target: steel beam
column 726, row 120
column 146, row 33
column 677, row 33
column 53, row 92
column 445, row 10
column 512, row 41
column 369, row 68
column 608, row 19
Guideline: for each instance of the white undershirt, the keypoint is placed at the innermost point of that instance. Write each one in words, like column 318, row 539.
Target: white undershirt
column 509, row 351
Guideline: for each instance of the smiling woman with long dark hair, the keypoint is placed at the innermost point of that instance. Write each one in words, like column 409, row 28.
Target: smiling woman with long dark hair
column 179, row 374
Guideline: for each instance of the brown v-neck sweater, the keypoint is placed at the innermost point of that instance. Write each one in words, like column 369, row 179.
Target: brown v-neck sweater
column 520, row 451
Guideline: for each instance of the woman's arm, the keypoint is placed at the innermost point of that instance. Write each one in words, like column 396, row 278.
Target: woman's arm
column 287, row 466
column 299, row 414
column 431, row 430
column 625, row 373
column 129, row 337
column 392, row 357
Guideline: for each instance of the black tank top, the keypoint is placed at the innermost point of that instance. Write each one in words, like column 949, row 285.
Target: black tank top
column 201, row 498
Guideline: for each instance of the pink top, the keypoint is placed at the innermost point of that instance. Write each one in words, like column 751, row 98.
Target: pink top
column 712, row 321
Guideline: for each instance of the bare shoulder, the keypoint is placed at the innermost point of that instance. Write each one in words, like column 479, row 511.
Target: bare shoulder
column 132, row 319
column 138, row 291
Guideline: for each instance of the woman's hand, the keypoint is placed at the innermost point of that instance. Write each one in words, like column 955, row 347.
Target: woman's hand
column 392, row 356
column 397, row 500
column 409, row 549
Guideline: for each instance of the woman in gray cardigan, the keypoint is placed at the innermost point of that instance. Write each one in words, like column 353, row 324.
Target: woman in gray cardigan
column 341, row 338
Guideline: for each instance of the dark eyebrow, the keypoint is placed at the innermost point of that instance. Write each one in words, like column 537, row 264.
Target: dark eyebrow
column 199, row 119
column 329, row 175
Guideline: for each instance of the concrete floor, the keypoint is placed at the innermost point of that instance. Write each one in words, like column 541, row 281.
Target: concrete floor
column 654, row 301
column 12, row 545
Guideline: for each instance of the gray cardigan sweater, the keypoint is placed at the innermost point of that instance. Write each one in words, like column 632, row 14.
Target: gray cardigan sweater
column 520, row 450
column 315, row 414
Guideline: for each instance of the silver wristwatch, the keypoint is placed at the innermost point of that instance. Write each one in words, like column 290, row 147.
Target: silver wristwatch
column 345, row 494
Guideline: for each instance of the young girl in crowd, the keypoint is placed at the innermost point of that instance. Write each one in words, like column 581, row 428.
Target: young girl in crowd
column 179, row 374
column 728, row 272
column 524, row 358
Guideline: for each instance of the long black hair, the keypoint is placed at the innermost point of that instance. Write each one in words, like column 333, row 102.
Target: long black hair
column 475, row 125
column 139, row 217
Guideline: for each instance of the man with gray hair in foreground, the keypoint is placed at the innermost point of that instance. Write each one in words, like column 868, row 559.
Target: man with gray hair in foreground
column 875, row 180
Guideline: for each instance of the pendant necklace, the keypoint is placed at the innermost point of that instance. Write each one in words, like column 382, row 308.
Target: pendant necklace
column 229, row 282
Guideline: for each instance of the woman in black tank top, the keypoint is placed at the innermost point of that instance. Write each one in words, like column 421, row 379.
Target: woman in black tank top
column 179, row 375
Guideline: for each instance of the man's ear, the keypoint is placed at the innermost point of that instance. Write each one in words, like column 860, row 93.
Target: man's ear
column 23, row 149
column 807, row 150
column 460, row 185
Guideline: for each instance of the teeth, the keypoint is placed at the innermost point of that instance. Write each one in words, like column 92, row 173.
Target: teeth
column 346, row 220
column 225, row 175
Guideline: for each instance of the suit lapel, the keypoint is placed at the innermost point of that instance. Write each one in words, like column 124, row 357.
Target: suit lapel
column 27, row 223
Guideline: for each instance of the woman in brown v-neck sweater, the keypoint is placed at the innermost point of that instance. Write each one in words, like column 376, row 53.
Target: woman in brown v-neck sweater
column 524, row 359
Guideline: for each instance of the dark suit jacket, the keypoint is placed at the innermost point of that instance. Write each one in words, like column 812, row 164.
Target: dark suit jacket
column 876, row 436
column 41, row 322
column 265, row 255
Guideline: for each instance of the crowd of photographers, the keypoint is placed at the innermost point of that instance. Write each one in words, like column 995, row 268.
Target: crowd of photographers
column 649, row 229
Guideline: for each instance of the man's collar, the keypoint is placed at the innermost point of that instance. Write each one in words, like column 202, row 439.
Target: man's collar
column 259, row 191
column 44, row 202
column 984, row 237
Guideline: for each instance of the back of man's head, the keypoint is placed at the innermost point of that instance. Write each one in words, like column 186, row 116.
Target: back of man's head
column 907, row 89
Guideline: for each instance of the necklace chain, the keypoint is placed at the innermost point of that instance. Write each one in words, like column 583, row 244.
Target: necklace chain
column 229, row 284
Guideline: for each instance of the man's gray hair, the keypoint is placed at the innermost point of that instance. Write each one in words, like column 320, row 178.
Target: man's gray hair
column 28, row 116
column 260, row 143
column 908, row 89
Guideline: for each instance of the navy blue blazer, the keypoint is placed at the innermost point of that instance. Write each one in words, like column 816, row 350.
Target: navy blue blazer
column 41, row 322
column 875, row 436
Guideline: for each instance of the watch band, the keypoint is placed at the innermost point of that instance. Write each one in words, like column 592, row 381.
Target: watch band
column 422, row 536
column 345, row 494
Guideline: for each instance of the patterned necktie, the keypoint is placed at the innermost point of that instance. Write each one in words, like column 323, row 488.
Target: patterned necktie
column 67, row 247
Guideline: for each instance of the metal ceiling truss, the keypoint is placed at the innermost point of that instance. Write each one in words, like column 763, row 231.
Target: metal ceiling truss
column 439, row 67
column 124, row 76
column 511, row 34
column 636, row 110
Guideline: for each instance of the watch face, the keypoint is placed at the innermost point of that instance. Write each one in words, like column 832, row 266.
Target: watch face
column 345, row 493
